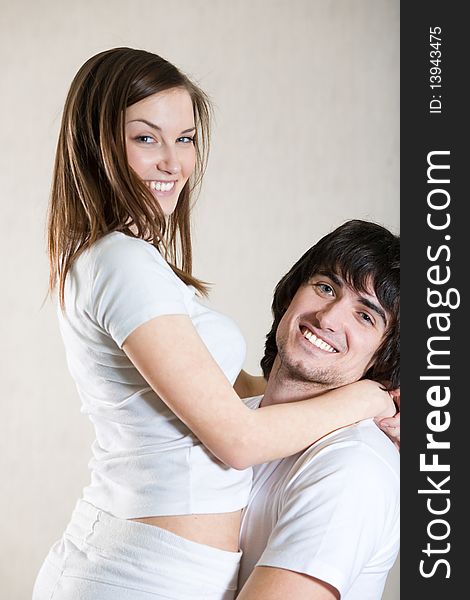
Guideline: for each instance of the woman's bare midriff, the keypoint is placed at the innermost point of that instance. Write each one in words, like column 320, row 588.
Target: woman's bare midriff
column 219, row 530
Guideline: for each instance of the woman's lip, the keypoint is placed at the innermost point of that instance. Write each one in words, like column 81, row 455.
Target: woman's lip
column 151, row 183
column 166, row 193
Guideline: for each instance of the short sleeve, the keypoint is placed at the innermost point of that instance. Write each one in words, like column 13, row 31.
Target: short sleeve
column 333, row 518
column 131, row 284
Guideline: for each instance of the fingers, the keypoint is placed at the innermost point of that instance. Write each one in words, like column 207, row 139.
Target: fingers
column 391, row 427
column 391, row 422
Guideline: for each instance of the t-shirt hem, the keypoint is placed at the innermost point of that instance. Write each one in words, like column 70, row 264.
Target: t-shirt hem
column 150, row 510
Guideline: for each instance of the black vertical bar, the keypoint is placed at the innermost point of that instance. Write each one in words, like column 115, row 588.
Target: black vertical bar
column 435, row 267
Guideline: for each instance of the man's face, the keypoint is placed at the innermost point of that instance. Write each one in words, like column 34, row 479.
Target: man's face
column 330, row 332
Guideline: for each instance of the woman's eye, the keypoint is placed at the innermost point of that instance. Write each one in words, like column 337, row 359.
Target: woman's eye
column 185, row 139
column 145, row 139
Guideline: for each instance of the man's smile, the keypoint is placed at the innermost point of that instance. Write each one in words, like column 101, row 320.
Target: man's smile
column 316, row 340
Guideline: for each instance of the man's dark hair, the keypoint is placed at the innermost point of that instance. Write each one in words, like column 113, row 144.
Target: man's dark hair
column 366, row 256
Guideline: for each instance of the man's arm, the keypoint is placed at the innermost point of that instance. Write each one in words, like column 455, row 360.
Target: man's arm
column 269, row 583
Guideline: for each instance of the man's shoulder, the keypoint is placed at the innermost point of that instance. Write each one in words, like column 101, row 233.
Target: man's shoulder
column 356, row 452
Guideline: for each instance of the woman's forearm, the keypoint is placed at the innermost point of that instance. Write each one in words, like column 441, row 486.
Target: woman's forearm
column 171, row 357
column 273, row 432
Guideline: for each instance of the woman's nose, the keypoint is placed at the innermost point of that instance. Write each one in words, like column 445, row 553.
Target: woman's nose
column 168, row 162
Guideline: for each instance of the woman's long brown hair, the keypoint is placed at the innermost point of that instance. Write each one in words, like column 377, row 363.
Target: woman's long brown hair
column 94, row 190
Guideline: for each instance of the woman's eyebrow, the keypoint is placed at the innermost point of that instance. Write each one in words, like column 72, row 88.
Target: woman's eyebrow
column 154, row 126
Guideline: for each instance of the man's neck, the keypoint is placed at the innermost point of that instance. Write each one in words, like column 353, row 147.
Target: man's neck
column 281, row 388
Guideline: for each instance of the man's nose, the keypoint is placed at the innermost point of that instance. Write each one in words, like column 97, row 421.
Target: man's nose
column 331, row 316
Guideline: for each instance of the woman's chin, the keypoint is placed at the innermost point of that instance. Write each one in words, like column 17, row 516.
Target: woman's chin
column 167, row 204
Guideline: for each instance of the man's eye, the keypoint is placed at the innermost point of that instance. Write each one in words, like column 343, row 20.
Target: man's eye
column 324, row 288
column 365, row 317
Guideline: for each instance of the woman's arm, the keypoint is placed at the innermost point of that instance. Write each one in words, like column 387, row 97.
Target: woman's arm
column 175, row 362
column 248, row 385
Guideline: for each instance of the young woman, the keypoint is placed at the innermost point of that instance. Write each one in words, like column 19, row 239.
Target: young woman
column 153, row 366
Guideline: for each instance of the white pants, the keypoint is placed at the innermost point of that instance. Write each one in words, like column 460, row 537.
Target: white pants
column 101, row 557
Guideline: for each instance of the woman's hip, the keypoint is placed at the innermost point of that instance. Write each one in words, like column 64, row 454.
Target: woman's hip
column 101, row 557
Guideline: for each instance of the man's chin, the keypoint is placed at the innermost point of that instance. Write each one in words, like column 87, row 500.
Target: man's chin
column 319, row 377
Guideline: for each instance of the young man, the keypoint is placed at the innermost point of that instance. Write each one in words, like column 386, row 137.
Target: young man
column 324, row 524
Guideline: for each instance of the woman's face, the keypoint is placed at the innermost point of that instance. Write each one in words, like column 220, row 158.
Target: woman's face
column 160, row 143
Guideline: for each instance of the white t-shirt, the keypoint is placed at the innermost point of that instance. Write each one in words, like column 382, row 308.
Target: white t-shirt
column 145, row 460
column 331, row 512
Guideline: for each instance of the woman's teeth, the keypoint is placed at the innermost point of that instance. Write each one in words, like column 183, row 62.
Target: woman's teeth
column 161, row 186
column 312, row 338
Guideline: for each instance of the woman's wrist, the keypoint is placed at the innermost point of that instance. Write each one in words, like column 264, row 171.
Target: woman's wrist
column 372, row 400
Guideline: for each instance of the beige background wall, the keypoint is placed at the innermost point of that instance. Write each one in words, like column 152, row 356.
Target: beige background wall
column 307, row 135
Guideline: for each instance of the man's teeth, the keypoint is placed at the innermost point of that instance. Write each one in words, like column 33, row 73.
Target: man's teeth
column 312, row 338
column 161, row 186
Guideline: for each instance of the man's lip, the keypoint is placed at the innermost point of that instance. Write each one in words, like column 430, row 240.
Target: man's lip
column 317, row 334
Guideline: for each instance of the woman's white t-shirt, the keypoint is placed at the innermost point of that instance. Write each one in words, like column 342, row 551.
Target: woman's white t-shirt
column 145, row 460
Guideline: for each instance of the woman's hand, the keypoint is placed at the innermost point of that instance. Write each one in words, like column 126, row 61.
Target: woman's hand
column 391, row 425
column 377, row 402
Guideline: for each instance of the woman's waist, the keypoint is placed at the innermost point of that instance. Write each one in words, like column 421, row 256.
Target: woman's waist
column 171, row 489
column 94, row 531
column 219, row 530
column 172, row 482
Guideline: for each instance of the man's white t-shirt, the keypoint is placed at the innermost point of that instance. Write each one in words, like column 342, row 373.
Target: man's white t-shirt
column 331, row 512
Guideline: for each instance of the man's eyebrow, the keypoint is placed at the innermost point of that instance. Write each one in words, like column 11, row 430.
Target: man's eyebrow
column 334, row 278
column 339, row 281
column 154, row 126
column 374, row 307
